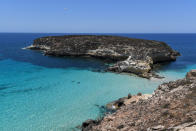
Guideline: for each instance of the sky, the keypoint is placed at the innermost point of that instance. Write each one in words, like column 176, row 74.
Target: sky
column 98, row 16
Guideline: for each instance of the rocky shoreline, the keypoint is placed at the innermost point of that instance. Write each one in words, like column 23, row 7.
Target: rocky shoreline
column 129, row 55
column 172, row 107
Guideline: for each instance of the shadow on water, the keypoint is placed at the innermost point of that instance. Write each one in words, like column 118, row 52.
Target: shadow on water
column 37, row 58
column 31, row 79
column 5, row 86
column 12, row 44
column 21, row 91
column 174, row 66
column 26, row 90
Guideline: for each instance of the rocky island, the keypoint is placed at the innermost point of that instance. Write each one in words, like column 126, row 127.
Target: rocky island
column 172, row 107
column 129, row 55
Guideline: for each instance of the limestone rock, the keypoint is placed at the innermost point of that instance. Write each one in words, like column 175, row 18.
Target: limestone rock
column 191, row 74
column 135, row 56
column 171, row 108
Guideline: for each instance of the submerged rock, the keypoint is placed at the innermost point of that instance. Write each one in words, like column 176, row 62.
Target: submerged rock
column 129, row 96
column 87, row 125
column 115, row 105
column 131, row 55
column 139, row 94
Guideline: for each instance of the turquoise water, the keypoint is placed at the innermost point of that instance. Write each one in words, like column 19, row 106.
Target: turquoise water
column 41, row 93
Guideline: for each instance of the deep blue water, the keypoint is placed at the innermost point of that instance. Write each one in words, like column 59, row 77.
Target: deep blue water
column 41, row 93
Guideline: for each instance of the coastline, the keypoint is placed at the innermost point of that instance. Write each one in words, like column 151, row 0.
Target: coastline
column 171, row 107
column 128, row 55
column 129, row 63
column 98, row 65
column 115, row 86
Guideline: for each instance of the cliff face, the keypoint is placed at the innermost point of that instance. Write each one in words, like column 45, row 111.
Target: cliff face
column 132, row 55
column 172, row 107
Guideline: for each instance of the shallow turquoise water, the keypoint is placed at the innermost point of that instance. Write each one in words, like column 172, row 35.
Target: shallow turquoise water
column 39, row 98
column 41, row 93
column 176, row 74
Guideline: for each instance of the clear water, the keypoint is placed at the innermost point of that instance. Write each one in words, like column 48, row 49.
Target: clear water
column 41, row 93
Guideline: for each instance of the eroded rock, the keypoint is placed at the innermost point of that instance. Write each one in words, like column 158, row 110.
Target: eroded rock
column 171, row 108
column 87, row 125
column 191, row 75
column 135, row 56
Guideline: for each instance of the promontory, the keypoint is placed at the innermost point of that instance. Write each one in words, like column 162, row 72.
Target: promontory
column 172, row 107
column 129, row 55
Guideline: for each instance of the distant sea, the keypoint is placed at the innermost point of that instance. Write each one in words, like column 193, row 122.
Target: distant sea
column 44, row 93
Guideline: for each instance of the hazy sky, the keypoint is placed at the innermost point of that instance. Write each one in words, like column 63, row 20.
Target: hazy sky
column 98, row 16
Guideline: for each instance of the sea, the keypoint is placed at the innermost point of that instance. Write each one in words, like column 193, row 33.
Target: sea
column 45, row 93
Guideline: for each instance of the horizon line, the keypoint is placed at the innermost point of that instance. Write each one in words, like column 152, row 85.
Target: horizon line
column 102, row 32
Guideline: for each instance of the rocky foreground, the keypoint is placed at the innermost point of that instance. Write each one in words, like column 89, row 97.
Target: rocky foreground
column 172, row 107
column 135, row 56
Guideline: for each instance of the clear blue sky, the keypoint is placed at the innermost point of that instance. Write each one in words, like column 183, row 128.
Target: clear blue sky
column 98, row 16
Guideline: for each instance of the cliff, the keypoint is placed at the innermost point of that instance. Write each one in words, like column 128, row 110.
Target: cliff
column 172, row 107
column 135, row 56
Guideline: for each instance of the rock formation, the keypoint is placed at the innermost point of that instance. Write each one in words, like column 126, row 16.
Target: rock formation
column 135, row 56
column 172, row 107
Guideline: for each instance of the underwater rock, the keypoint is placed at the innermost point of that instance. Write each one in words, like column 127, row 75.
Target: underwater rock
column 88, row 124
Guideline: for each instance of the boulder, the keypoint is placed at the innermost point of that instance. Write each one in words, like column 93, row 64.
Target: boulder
column 191, row 75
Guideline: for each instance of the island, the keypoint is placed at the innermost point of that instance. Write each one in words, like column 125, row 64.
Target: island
column 128, row 55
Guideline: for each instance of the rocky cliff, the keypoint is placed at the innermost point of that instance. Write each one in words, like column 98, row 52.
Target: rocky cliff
column 131, row 55
column 172, row 107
